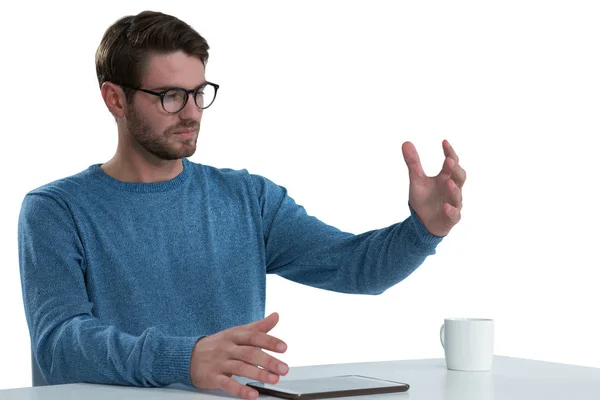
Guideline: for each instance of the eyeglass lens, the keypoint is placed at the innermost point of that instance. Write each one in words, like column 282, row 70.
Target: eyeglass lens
column 174, row 99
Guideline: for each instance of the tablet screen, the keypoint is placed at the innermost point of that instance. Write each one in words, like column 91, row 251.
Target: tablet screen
column 299, row 387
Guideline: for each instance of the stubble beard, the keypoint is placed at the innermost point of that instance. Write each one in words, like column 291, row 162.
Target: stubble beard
column 159, row 145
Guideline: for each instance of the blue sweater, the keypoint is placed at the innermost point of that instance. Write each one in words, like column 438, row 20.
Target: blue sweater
column 121, row 279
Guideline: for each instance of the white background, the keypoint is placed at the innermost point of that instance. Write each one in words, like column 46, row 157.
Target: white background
column 319, row 96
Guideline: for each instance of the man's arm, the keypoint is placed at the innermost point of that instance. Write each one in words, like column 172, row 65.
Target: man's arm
column 304, row 249
column 69, row 342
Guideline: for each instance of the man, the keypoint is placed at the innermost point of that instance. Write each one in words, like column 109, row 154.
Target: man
column 150, row 269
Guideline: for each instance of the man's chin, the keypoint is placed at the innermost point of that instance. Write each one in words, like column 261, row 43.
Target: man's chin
column 188, row 154
column 184, row 148
column 176, row 154
column 188, row 151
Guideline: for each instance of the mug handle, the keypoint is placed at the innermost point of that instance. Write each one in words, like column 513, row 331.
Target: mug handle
column 442, row 336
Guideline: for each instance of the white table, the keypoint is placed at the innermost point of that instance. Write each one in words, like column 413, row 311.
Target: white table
column 510, row 379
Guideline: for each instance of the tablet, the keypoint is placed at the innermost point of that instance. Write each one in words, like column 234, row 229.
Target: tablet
column 334, row 386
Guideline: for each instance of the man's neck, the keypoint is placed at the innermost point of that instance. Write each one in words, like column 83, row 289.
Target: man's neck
column 141, row 169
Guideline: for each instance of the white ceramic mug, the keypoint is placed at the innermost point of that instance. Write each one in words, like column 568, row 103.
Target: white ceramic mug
column 468, row 343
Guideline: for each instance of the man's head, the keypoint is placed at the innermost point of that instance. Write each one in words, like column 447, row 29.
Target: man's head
column 154, row 52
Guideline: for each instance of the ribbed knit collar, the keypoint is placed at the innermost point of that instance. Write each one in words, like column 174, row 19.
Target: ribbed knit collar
column 143, row 187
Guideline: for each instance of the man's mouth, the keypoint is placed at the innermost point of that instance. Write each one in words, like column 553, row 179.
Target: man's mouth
column 186, row 133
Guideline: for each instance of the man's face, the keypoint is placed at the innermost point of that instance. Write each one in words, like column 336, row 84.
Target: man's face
column 151, row 128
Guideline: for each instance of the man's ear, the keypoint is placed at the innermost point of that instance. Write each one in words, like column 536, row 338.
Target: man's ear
column 114, row 98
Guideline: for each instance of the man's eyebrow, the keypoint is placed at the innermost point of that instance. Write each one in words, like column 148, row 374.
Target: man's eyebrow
column 163, row 88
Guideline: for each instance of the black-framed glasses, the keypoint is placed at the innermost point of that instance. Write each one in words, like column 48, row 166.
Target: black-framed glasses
column 174, row 99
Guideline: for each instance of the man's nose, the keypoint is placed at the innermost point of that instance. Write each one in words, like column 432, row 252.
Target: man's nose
column 190, row 110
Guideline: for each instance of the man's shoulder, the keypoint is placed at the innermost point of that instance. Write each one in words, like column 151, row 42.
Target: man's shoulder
column 232, row 177
column 70, row 184
column 221, row 175
column 212, row 170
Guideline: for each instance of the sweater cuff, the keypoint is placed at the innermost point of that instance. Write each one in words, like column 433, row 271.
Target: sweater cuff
column 173, row 364
column 424, row 238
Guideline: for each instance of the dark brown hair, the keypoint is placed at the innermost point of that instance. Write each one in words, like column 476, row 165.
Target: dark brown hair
column 127, row 44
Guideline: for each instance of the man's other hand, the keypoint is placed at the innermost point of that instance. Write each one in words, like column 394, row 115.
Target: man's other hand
column 238, row 351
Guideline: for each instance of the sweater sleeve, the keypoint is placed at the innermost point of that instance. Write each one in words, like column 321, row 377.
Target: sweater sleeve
column 301, row 248
column 69, row 342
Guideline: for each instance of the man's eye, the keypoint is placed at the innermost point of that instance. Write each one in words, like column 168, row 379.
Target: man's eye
column 172, row 95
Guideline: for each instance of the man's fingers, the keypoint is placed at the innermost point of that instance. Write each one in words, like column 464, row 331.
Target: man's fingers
column 449, row 150
column 452, row 213
column 413, row 162
column 248, row 337
column 231, row 386
column 254, row 356
column 238, row 351
column 265, row 324
column 455, row 194
column 240, row 368
column 459, row 175
column 448, row 167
